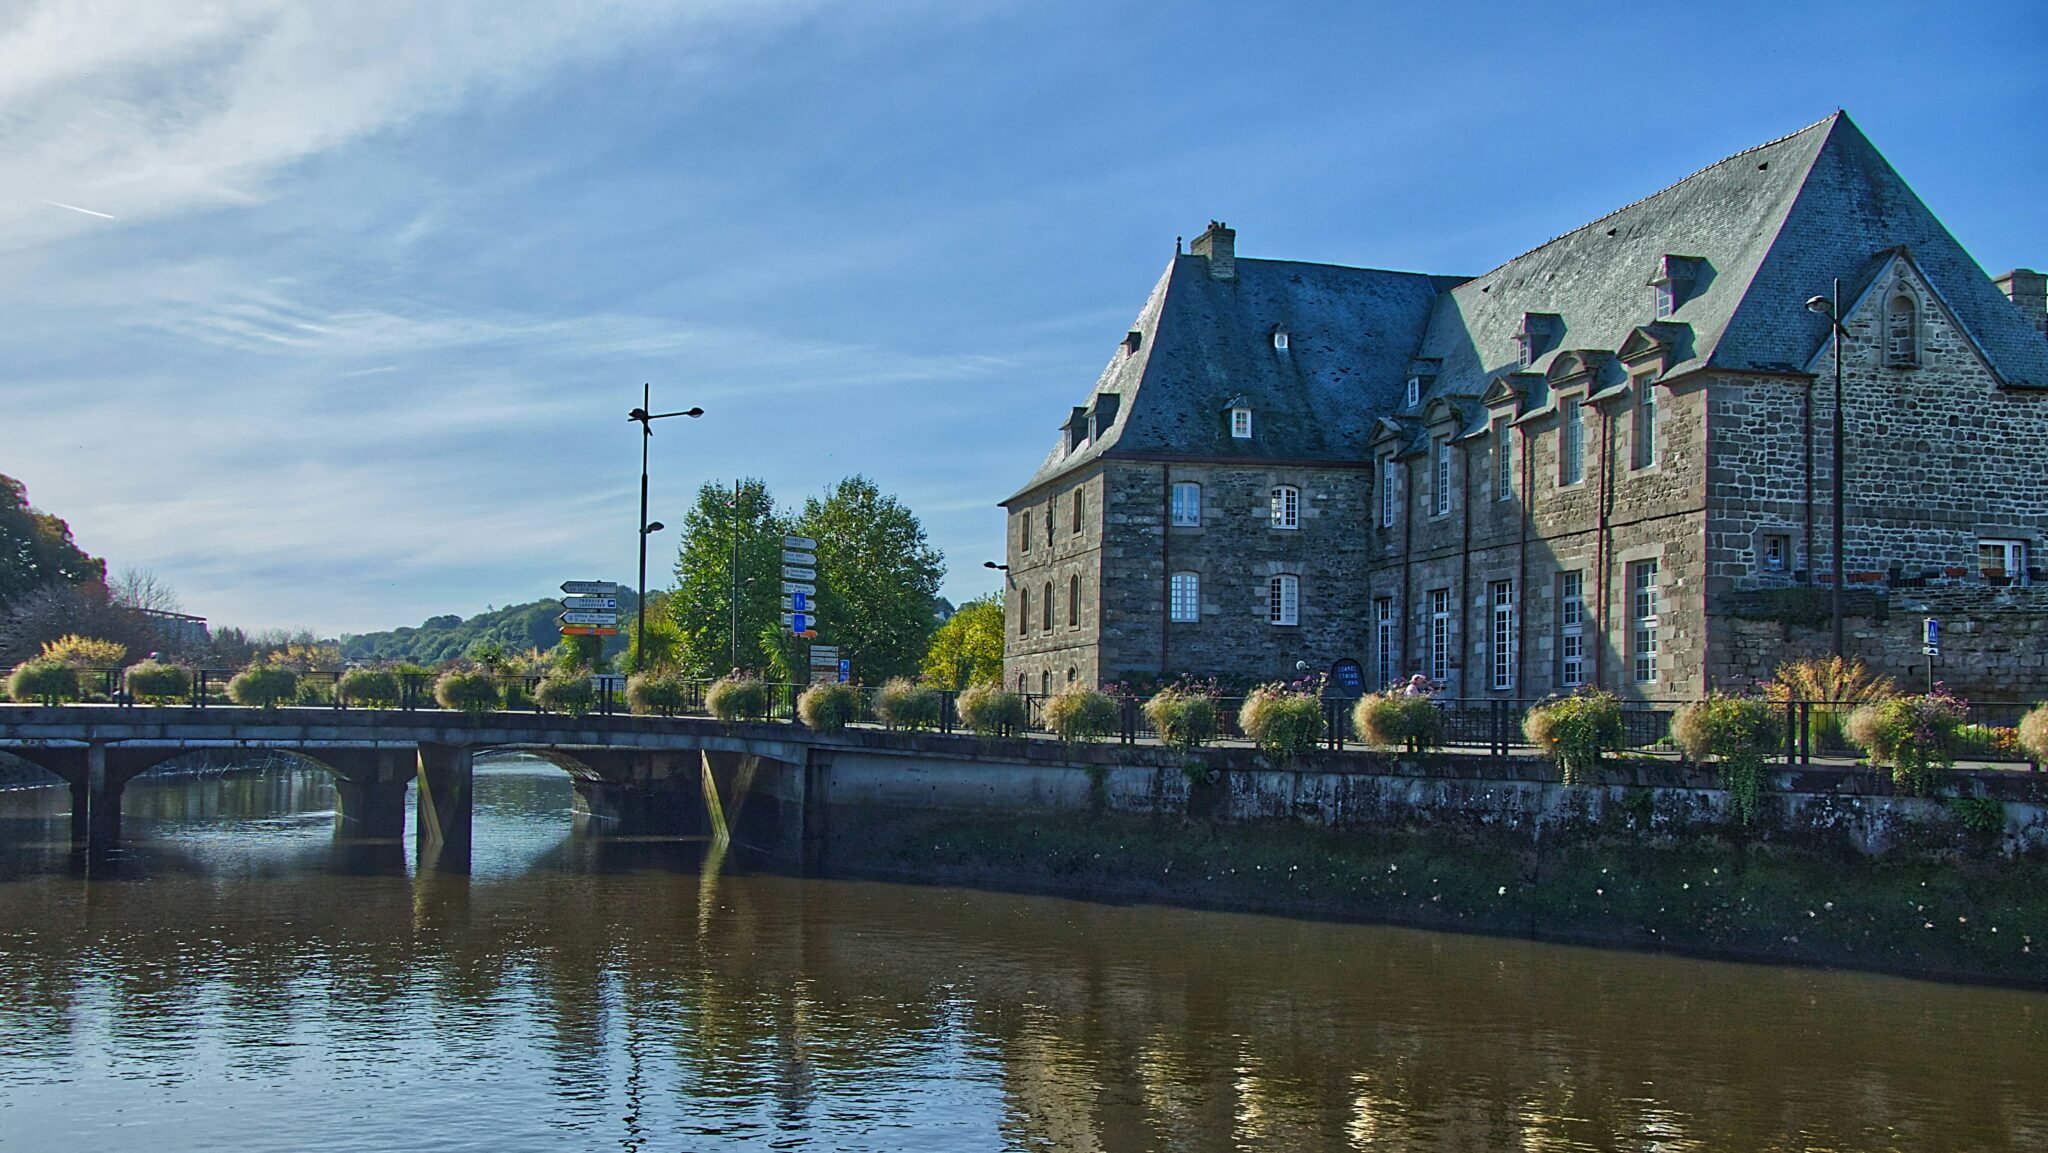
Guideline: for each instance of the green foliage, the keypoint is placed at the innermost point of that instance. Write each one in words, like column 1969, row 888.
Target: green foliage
column 1833, row 687
column 1184, row 720
column 1575, row 731
column 82, row 652
column 1988, row 743
column 656, row 692
column 43, row 680
column 1282, row 722
column 369, row 688
column 904, row 704
column 878, row 578
column 1912, row 736
column 739, row 698
column 968, row 648
column 2034, row 734
column 264, row 686
column 701, row 606
column 579, row 654
column 829, row 707
column 664, row 640
column 564, row 691
column 1395, row 719
column 991, row 710
column 1979, row 815
column 36, row 549
column 156, row 682
column 1740, row 733
column 1079, row 714
column 441, row 639
column 467, row 691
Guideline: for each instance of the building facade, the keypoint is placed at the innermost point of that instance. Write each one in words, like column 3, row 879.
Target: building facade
column 1608, row 462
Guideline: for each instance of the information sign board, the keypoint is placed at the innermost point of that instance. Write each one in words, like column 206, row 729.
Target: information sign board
column 591, row 604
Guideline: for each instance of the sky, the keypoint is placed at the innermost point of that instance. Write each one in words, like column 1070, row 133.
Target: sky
column 331, row 314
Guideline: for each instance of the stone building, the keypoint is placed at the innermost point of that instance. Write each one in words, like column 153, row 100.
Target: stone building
column 1606, row 462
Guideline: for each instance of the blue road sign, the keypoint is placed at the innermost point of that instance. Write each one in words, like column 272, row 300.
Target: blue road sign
column 845, row 671
column 798, row 623
column 799, row 601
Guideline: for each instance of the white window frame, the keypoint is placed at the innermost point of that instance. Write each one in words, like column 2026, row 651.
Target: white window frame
column 1184, row 597
column 1503, row 461
column 1571, row 442
column 1383, row 639
column 1187, row 504
column 1442, row 495
column 2012, row 557
column 1663, row 298
column 1645, row 626
column 1783, row 544
column 1643, row 430
column 1413, row 395
column 1571, row 628
column 1241, row 423
column 1280, row 340
column 1285, row 506
column 1388, row 492
column 1525, row 350
column 1502, row 596
column 1283, row 600
column 1439, row 635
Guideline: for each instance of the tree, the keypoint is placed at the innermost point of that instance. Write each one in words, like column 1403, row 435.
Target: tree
column 141, row 589
column 50, row 611
column 877, row 578
column 664, row 639
column 701, row 606
column 968, row 648
column 36, row 549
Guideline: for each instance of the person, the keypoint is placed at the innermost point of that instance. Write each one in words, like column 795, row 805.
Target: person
column 1418, row 686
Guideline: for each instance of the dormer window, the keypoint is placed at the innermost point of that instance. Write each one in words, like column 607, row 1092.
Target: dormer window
column 1133, row 340
column 1539, row 334
column 1414, row 391
column 1525, row 350
column 1280, row 340
column 1241, row 423
column 1669, row 282
column 1663, row 299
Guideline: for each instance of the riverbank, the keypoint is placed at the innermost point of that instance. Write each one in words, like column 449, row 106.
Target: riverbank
column 1967, row 915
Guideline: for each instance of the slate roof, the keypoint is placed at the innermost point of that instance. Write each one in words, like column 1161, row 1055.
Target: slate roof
column 1765, row 229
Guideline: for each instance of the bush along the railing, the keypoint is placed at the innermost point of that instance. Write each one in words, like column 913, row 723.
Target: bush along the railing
column 467, row 691
column 661, row 693
column 1080, row 714
column 1396, row 719
column 566, row 691
column 156, row 683
column 1185, row 720
column 1829, row 688
column 1284, row 723
column 737, row 698
column 44, row 680
column 1911, row 736
column 904, row 704
column 264, row 686
column 1575, row 731
column 368, row 688
column 829, row 707
column 83, row 652
column 2034, row 734
column 992, row 711
column 1740, row 733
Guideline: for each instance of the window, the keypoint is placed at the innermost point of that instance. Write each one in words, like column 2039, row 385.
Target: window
column 1074, row 602
column 1643, row 433
column 1443, row 476
column 1187, row 503
column 1048, row 607
column 1280, row 339
column 1663, row 298
column 1241, row 423
column 1023, row 685
column 1184, row 597
column 1045, row 682
column 1642, row 610
column 1023, row 612
column 1383, row 638
column 1286, row 506
column 1283, row 600
column 1133, row 340
column 1077, row 510
column 1503, row 463
column 1776, row 553
column 1027, row 531
column 1571, row 449
column 1051, row 515
column 1502, row 596
column 1901, row 348
column 1439, row 634
column 1387, row 493
column 1073, row 674
column 1571, row 629
column 1525, row 350
column 1414, row 393
column 2004, row 562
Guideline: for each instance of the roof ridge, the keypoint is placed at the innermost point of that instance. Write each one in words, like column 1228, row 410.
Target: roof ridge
column 1349, row 267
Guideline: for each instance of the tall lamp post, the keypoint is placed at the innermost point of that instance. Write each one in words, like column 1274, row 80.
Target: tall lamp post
column 646, row 421
column 1832, row 309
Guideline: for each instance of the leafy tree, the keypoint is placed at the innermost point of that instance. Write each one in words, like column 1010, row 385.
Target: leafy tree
column 36, row 549
column 664, row 638
column 968, row 648
column 878, row 578
column 701, row 607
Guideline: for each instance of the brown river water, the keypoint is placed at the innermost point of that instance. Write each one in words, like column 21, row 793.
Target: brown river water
column 239, row 981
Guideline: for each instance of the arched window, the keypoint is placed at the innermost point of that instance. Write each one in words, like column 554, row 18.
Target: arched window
column 1073, row 674
column 1023, row 612
column 1283, row 600
column 1048, row 606
column 1901, row 332
column 1045, row 682
column 1074, row 602
column 1286, row 506
column 1022, row 685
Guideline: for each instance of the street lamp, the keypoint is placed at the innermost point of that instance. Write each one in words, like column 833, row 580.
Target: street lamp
column 1832, row 309
column 994, row 565
column 646, row 420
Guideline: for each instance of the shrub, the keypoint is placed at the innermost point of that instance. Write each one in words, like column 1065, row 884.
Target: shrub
column 2034, row 734
column 905, row 704
column 467, row 692
column 1081, row 714
column 1574, row 731
column 1834, row 687
column 737, row 698
column 565, row 691
column 43, row 679
column 1980, row 815
column 370, row 688
column 1185, row 720
column 156, row 682
column 311, row 692
column 1912, row 736
column 263, row 686
column 83, row 652
column 1396, row 718
column 1988, row 742
column 992, row 711
column 656, row 692
column 1740, row 733
column 829, row 707
column 1282, row 722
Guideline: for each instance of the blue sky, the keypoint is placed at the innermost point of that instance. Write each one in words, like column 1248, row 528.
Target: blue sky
column 372, row 285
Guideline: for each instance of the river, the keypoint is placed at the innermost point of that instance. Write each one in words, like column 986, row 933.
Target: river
column 238, row 980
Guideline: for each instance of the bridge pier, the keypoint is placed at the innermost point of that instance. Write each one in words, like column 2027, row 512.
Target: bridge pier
column 96, row 803
column 369, row 792
column 447, row 778
column 639, row 808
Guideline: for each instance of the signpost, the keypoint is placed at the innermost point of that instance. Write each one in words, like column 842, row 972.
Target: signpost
column 799, row 568
column 592, row 609
column 1930, row 646
column 591, row 604
column 591, row 588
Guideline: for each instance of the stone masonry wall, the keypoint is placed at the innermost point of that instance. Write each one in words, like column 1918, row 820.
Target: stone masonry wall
column 1046, row 567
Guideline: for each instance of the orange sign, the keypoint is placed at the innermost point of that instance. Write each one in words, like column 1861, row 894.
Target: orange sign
column 587, row 631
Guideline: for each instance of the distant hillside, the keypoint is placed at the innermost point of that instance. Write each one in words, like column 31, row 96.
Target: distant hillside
column 514, row 628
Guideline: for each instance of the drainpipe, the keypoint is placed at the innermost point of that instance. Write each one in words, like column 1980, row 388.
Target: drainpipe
column 1602, row 546
column 1522, row 573
column 1465, row 579
column 1807, row 520
column 1165, row 570
column 1407, row 557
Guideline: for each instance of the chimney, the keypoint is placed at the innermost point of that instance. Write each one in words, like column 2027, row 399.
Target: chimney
column 1218, row 246
column 2028, row 290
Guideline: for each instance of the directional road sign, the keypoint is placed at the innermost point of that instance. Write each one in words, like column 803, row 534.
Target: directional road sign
column 800, row 558
column 591, row 588
column 800, row 602
column 824, row 656
column 789, row 587
column 800, row 543
column 591, row 604
column 588, row 631
column 790, row 573
column 575, row 618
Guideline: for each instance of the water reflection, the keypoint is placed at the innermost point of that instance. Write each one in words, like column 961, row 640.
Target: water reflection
column 244, row 980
